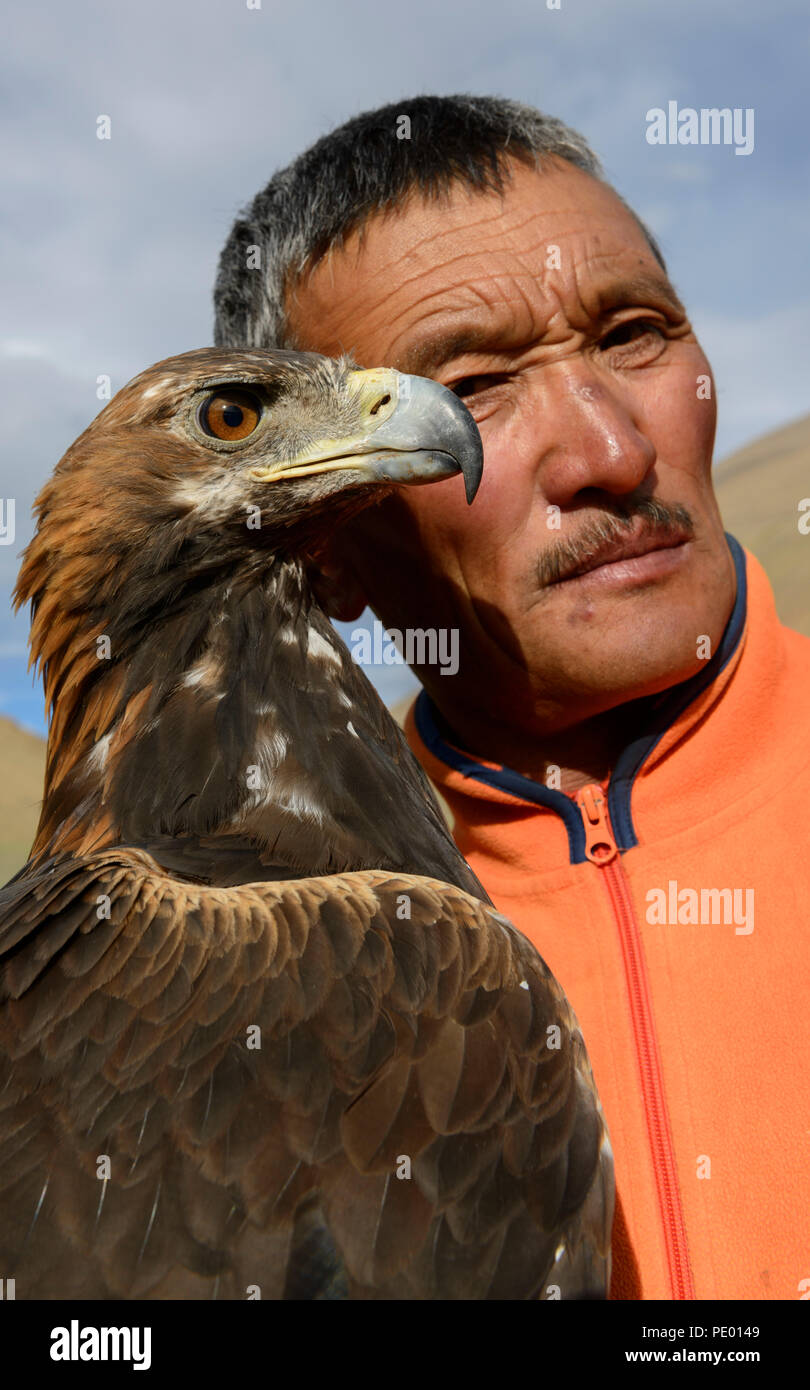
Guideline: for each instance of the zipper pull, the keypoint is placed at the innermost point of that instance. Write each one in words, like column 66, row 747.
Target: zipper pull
column 600, row 846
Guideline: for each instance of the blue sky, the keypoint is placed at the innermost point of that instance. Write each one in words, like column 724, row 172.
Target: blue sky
column 111, row 246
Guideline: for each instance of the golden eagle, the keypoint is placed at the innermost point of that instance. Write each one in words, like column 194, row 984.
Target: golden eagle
column 261, row 1031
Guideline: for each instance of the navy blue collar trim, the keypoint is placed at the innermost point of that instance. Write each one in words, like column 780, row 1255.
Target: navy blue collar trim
column 662, row 711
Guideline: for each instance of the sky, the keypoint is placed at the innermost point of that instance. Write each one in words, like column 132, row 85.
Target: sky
column 111, row 246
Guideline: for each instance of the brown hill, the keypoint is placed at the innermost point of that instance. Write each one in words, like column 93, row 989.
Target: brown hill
column 759, row 488
column 22, row 759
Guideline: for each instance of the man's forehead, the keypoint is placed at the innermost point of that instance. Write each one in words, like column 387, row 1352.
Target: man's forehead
column 459, row 259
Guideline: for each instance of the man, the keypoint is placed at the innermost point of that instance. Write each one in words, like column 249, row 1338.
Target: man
column 624, row 747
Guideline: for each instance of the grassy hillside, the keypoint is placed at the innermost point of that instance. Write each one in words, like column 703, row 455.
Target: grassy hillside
column 759, row 489
column 22, row 759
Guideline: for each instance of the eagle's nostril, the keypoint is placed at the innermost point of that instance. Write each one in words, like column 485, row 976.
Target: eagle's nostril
column 381, row 402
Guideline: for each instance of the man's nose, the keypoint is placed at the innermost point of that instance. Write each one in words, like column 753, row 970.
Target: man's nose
column 599, row 440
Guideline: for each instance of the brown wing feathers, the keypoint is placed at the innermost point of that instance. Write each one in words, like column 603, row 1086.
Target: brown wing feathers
column 240, row 1157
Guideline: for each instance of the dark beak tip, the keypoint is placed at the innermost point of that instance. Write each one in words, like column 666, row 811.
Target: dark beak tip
column 472, row 468
column 471, row 455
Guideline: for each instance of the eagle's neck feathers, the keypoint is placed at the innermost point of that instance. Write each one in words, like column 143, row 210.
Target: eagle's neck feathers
column 239, row 716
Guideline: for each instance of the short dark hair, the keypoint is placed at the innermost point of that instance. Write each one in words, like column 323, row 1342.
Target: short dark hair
column 363, row 167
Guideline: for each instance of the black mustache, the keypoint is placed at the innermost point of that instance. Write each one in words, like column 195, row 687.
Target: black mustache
column 565, row 557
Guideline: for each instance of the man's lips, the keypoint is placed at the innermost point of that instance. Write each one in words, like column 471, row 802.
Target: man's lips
column 630, row 559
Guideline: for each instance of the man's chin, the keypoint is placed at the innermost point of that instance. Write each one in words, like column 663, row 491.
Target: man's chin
column 623, row 637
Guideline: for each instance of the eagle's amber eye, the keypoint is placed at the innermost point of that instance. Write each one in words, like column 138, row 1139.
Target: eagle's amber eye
column 230, row 414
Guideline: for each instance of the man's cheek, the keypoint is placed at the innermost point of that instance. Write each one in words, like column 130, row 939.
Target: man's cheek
column 704, row 396
column 681, row 417
column 441, row 512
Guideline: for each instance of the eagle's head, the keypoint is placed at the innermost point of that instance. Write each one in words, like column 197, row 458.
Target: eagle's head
column 204, row 474
column 286, row 432
column 187, row 455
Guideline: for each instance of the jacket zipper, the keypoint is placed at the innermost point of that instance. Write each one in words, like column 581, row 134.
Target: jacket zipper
column 601, row 849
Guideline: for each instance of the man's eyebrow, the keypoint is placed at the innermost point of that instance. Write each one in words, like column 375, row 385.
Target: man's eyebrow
column 424, row 357
column 635, row 289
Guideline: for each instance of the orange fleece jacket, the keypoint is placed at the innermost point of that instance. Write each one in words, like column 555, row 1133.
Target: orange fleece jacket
column 693, row 1003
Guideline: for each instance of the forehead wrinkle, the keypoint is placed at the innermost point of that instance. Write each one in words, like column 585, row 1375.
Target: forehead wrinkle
column 514, row 263
column 534, row 292
column 402, row 254
column 537, row 290
column 412, row 294
column 603, row 292
column 616, row 290
column 479, row 232
column 488, row 227
column 512, row 323
column 420, row 242
column 530, row 296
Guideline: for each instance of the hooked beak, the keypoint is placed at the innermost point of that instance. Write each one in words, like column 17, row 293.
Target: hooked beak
column 412, row 431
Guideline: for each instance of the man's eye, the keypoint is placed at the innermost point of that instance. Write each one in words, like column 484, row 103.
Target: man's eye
column 631, row 331
column 474, row 385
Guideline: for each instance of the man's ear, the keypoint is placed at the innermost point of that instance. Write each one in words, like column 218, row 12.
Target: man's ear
column 336, row 586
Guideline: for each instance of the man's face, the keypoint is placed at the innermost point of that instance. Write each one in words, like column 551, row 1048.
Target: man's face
column 547, row 312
